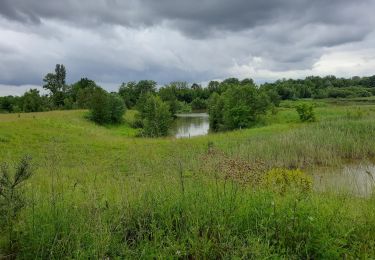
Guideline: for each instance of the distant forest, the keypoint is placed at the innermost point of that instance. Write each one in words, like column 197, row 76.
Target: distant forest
column 180, row 96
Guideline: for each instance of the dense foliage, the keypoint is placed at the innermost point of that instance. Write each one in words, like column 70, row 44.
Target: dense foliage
column 323, row 87
column 106, row 108
column 231, row 103
column 180, row 96
column 306, row 112
column 155, row 115
column 240, row 106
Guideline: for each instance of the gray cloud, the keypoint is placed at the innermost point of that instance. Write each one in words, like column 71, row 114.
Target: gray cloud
column 195, row 17
column 114, row 41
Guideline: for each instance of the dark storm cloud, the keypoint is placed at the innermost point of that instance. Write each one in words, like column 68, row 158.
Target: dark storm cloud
column 193, row 40
column 194, row 17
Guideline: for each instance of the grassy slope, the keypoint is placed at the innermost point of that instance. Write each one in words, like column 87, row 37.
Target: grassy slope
column 99, row 192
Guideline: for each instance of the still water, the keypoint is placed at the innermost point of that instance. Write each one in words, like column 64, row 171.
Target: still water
column 190, row 124
column 356, row 179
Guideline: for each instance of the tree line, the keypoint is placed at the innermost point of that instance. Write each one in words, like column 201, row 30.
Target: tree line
column 231, row 103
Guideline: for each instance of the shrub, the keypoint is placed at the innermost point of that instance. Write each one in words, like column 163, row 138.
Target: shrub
column 320, row 93
column 198, row 104
column 283, row 180
column 237, row 107
column 306, row 112
column 99, row 107
column 183, row 107
column 11, row 197
column 156, row 116
column 243, row 106
column 117, row 108
column 106, row 108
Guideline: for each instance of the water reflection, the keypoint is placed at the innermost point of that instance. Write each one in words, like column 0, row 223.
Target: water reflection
column 357, row 179
column 190, row 124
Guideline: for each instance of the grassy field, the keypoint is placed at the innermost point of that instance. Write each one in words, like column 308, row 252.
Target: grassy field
column 100, row 192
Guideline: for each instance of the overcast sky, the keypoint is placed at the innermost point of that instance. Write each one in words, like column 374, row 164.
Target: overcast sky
column 114, row 41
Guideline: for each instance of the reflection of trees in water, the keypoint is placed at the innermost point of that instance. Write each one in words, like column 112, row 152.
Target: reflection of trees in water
column 358, row 179
column 191, row 125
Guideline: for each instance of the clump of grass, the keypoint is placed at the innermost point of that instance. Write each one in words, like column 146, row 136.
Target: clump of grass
column 354, row 114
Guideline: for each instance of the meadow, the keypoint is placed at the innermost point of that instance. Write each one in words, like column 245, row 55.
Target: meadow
column 100, row 192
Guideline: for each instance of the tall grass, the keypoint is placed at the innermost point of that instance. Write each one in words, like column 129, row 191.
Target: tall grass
column 99, row 193
column 204, row 220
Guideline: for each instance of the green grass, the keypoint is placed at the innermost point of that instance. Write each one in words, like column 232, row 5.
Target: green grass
column 100, row 192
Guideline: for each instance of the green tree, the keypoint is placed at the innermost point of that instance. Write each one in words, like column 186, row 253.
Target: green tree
column 106, row 108
column 81, row 91
column 9, row 103
column 55, row 83
column 213, row 86
column 156, row 117
column 32, row 101
column 132, row 91
column 215, row 112
column 240, row 106
column 168, row 95
column 145, row 87
column 117, row 108
column 100, row 107
column 198, row 104
column 128, row 92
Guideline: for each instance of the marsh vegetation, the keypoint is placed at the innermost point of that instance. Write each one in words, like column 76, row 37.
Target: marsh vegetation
column 99, row 191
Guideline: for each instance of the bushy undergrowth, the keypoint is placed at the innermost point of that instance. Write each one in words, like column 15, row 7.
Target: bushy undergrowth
column 306, row 112
column 12, row 200
column 283, row 180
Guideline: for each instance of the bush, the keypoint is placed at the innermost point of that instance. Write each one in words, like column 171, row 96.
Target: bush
column 183, row 107
column 106, row 108
column 349, row 92
column 320, row 93
column 283, row 180
column 306, row 112
column 99, row 107
column 11, row 197
column 238, row 107
column 198, row 104
column 117, row 108
column 156, row 116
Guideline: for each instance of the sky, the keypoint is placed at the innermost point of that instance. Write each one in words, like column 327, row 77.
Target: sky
column 114, row 41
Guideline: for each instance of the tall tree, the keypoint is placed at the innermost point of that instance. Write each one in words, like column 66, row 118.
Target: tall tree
column 55, row 83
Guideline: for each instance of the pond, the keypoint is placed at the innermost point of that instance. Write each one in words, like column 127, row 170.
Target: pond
column 355, row 179
column 190, row 124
